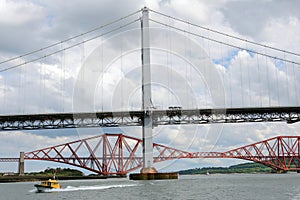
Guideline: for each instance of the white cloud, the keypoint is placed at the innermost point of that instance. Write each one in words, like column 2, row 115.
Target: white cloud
column 21, row 18
column 287, row 28
column 248, row 79
column 11, row 145
column 19, row 13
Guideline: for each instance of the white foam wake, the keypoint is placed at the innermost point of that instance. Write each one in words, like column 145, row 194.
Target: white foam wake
column 80, row 188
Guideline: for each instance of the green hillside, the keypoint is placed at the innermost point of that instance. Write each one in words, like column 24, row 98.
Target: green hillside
column 58, row 172
column 240, row 168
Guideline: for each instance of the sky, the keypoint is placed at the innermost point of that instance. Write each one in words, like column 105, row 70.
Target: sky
column 188, row 70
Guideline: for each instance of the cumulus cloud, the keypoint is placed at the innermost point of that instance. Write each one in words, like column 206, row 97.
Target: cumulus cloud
column 17, row 34
column 11, row 145
column 256, row 15
column 188, row 71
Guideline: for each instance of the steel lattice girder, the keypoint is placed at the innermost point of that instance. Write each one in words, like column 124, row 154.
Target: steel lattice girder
column 160, row 117
column 120, row 154
column 105, row 154
column 279, row 153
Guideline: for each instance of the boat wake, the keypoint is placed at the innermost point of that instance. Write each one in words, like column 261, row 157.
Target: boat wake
column 80, row 188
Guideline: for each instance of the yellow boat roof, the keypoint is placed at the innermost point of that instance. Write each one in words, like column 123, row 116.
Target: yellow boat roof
column 51, row 180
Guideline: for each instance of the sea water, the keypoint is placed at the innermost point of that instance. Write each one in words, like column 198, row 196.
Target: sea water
column 227, row 186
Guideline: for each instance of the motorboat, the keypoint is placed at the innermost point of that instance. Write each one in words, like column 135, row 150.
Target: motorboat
column 47, row 185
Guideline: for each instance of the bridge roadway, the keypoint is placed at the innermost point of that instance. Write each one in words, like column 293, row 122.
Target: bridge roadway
column 9, row 159
column 173, row 116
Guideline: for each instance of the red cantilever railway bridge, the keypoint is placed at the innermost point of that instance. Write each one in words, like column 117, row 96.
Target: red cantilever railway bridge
column 119, row 154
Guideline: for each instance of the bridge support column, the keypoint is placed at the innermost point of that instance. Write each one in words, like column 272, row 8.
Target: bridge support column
column 146, row 97
column 21, row 164
column 148, row 172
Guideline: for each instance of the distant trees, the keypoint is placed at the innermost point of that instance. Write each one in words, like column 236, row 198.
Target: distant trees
column 240, row 168
column 58, row 172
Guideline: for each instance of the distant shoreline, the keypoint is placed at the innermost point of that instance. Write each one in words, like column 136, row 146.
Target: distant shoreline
column 30, row 178
column 244, row 168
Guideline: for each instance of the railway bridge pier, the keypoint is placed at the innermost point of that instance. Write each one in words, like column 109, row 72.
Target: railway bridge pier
column 21, row 164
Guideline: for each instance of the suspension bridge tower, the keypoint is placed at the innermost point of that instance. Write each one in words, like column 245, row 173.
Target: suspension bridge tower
column 146, row 97
column 148, row 171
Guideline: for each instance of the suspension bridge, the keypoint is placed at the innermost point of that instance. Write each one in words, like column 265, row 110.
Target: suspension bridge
column 185, row 83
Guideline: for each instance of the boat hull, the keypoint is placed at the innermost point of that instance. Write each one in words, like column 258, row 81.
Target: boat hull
column 42, row 188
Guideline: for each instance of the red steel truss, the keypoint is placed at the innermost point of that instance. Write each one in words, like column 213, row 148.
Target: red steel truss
column 119, row 154
column 281, row 153
column 105, row 154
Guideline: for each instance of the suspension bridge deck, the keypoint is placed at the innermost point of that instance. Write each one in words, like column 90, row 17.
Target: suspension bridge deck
column 160, row 117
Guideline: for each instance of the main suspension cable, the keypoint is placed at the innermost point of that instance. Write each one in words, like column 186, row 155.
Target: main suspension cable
column 71, row 38
column 227, row 44
column 225, row 34
column 69, row 47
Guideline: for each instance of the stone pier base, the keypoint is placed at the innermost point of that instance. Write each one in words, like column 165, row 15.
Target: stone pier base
column 154, row 176
column 21, row 164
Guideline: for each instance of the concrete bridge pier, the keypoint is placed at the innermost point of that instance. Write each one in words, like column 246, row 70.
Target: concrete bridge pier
column 148, row 172
column 21, row 164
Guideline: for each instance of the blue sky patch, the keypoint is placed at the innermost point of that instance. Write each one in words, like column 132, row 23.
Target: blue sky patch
column 50, row 20
column 225, row 61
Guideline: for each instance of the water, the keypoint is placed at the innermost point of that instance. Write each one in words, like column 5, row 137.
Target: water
column 233, row 186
